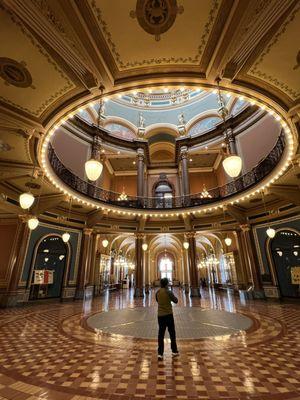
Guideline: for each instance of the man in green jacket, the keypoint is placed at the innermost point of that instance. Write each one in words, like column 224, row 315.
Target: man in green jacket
column 164, row 297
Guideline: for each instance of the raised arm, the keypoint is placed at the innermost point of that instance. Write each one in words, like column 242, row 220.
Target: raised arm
column 173, row 297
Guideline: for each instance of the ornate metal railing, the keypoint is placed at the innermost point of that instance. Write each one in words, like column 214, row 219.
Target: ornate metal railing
column 237, row 185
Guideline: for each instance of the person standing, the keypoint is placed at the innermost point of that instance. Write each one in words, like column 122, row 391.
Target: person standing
column 164, row 297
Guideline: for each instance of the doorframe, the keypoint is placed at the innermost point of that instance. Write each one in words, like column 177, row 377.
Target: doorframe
column 270, row 256
column 67, row 263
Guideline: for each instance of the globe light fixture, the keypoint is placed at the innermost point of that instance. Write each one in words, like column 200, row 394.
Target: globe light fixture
column 145, row 246
column 186, row 245
column 232, row 165
column 104, row 243
column 32, row 223
column 26, row 200
column 271, row 232
column 65, row 237
column 93, row 169
column 228, row 241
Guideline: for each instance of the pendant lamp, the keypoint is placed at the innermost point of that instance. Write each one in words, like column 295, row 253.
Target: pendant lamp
column 26, row 200
column 32, row 223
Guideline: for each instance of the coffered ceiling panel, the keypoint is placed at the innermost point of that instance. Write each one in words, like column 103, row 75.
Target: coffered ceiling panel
column 202, row 160
column 30, row 79
column 131, row 46
column 279, row 63
column 123, row 164
column 14, row 147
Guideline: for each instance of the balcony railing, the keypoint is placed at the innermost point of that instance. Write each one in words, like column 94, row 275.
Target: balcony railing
column 259, row 172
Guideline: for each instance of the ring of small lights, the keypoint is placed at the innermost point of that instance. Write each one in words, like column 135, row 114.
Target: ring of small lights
column 279, row 114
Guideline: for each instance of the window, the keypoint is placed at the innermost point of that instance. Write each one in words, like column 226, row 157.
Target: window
column 164, row 195
column 166, row 268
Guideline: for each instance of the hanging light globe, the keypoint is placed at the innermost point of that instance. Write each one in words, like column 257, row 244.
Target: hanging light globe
column 228, row 241
column 104, row 243
column 93, row 169
column 65, row 237
column 32, row 223
column 232, row 165
column 271, row 232
column 186, row 245
column 144, row 246
column 26, row 200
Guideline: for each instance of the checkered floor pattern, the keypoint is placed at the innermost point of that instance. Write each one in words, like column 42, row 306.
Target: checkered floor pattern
column 50, row 352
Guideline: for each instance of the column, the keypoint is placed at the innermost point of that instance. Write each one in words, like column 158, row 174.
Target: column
column 251, row 261
column 10, row 297
column 84, row 265
column 138, row 290
column 93, row 265
column 140, row 173
column 194, row 284
column 185, row 173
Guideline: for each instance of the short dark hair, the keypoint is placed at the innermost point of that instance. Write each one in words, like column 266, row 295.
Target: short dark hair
column 164, row 282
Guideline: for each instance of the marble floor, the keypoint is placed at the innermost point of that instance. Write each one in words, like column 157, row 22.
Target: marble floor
column 81, row 350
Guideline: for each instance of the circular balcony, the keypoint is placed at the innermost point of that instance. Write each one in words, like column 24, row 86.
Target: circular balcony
column 106, row 198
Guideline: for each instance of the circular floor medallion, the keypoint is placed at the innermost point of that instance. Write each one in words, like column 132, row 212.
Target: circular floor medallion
column 191, row 323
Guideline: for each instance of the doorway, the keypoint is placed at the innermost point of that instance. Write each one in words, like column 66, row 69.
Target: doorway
column 285, row 249
column 49, row 267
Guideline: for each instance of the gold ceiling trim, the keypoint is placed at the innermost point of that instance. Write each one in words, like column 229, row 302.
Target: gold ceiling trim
column 156, row 61
column 254, row 71
column 55, row 96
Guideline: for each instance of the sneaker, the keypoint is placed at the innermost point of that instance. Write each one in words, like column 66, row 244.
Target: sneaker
column 175, row 353
column 160, row 357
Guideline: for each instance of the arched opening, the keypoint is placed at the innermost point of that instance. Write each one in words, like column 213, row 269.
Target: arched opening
column 163, row 193
column 285, row 250
column 166, row 266
column 48, row 270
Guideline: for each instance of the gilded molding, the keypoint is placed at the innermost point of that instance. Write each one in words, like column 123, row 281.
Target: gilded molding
column 156, row 61
column 68, row 86
column 294, row 94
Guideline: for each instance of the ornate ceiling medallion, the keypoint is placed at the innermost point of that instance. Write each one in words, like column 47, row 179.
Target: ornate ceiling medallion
column 156, row 16
column 15, row 73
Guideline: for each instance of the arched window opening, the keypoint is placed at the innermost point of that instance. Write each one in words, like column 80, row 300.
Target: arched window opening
column 164, row 195
column 166, row 268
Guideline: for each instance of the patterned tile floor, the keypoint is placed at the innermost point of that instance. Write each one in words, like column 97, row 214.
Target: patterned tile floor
column 49, row 351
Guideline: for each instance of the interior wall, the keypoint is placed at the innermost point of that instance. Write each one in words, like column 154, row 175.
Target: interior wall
column 257, row 141
column 106, row 179
column 221, row 176
column 129, row 183
column 7, row 236
column 198, row 179
column 72, row 151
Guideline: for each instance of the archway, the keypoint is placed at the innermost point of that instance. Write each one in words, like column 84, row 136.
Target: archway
column 163, row 193
column 285, row 250
column 166, row 266
column 48, row 268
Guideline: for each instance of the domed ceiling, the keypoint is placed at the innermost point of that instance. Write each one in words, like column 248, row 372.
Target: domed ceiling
column 162, row 110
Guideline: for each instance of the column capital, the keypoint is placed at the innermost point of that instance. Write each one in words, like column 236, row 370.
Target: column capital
column 183, row 152
column 87, row 231
column 140, row 153
column 23, row 218
column 190, row 235
column 245, row 227
column 139, row 235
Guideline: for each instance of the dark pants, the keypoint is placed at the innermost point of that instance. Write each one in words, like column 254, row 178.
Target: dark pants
column 163, row 323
